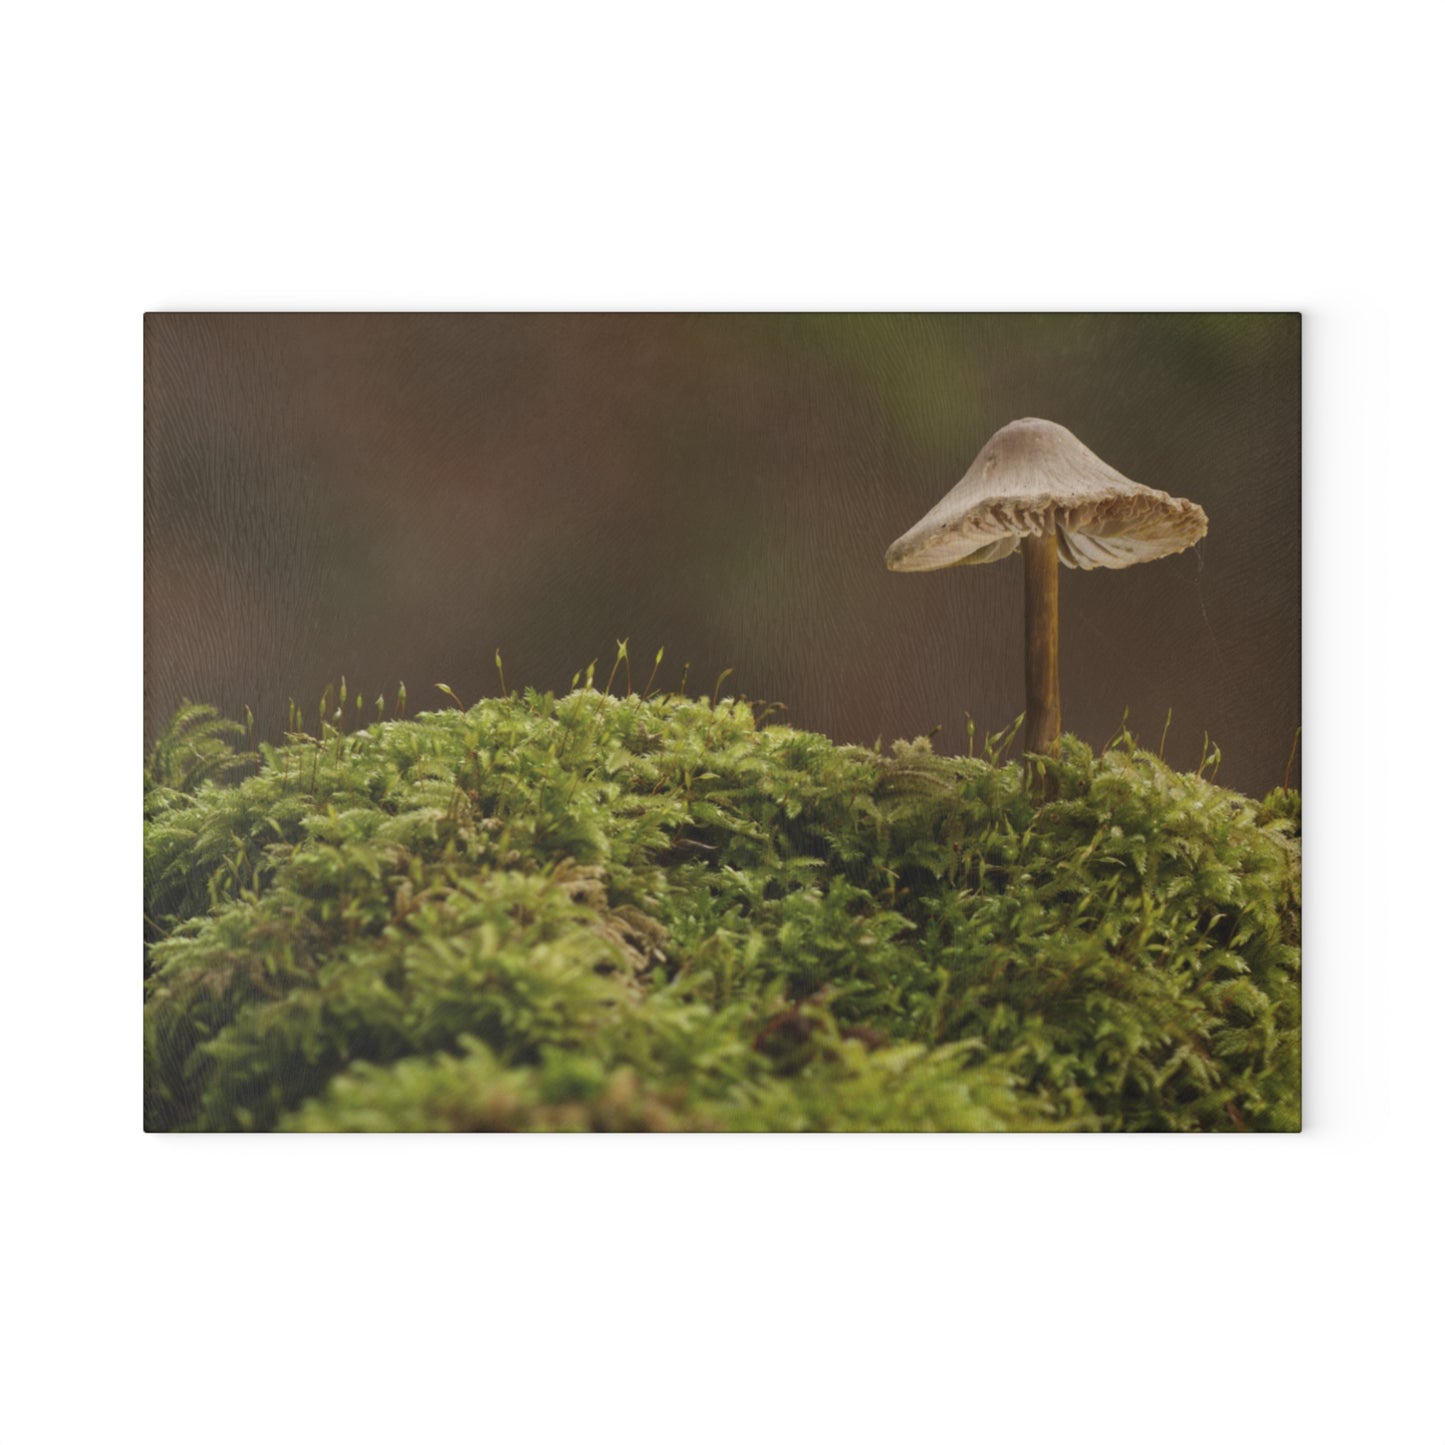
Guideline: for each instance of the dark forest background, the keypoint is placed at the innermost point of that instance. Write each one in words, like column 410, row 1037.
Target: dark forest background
column 394, row 497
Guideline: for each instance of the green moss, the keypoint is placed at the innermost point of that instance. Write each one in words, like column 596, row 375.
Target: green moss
column 608, row 913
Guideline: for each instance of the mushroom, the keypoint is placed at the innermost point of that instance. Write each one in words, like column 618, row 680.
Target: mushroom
column 1036, row 484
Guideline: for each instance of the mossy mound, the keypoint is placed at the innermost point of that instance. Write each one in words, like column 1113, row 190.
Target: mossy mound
column 614, row 913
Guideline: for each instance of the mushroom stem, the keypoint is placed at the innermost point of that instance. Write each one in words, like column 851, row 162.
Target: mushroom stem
column 1041, row 640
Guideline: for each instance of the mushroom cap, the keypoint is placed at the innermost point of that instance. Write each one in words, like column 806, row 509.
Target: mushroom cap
column 1035, row 477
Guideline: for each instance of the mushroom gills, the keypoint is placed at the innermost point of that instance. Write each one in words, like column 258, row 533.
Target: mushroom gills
column 1087, row 551
column 992, row 551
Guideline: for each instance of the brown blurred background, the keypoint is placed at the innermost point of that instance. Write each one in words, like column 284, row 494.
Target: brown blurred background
column 393, row 497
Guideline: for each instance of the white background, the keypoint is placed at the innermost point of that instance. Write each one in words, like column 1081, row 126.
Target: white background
column 654, row 156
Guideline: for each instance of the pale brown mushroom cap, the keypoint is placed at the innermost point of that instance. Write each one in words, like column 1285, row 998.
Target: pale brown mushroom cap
column 1035, row 477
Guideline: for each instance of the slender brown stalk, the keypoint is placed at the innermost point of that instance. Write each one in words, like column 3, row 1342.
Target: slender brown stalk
column 1289, row 766
column 1041, row 641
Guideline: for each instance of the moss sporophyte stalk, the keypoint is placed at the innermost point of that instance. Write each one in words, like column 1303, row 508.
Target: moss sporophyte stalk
column 600, row 912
